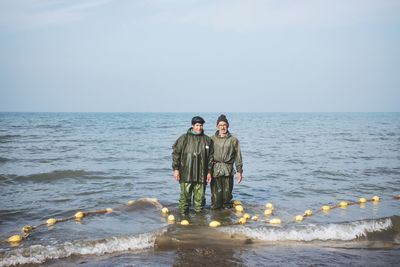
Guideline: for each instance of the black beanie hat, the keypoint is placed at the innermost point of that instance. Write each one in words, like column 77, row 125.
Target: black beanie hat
column 222, row 117
column 197, row 119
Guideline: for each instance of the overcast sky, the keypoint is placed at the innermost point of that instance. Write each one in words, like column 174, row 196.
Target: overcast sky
column 200, row 55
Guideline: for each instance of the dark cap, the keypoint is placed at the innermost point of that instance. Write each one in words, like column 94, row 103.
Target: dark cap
column 197, row 119
column 222, row 117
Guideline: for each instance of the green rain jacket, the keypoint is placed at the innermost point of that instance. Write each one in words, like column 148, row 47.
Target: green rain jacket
column 226, row 153
column 192, row 155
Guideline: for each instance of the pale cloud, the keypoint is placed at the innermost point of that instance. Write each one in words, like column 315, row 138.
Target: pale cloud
column 256, row 15
column 222, row 15
column 37, row 13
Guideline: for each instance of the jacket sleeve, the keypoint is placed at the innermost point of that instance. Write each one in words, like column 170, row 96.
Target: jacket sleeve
column 177, row 148
column 238, row 156
column 211, row 157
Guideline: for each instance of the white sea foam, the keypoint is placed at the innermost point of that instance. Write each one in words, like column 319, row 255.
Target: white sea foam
column 339, row 231
column 38, row 253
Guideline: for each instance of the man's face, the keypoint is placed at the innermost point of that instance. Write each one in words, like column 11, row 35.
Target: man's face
column 222, row 127
column 197, row 127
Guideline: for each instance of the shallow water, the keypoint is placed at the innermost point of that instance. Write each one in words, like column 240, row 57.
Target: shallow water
column 55, row 164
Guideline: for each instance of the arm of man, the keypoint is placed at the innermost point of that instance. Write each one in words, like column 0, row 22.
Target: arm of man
column 176, row 156
column 177, row 175
column 238, row 162
column 239, row 177
column 210, row 161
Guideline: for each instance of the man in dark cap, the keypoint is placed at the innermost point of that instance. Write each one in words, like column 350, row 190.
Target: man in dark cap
column 226, row 154
column 192, row 159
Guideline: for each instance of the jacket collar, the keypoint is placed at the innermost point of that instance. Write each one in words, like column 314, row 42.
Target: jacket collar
column 192, row 133
column 228, row 134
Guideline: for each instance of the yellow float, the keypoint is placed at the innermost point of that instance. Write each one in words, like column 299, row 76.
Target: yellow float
column 171, row 218
column 308, row 213
column 326, row 208
column 51, row 221
column 14, row 239
column 268, row 212
column 215, row 224
column 239, row 208
column 275, row 221
column 164, row 210
column 184, row 222
column 26, row 229
column 299, row 218
column 269, row 206
column 242, row 220
column 254, row 218
column 237, row 202
column 79, row 215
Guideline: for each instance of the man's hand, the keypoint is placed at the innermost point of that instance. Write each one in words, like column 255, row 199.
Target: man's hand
column 177, row 175
column 209, row 178
column 239, row 177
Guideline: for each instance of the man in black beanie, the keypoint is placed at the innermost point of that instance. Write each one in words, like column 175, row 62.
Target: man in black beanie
column 226, row 154
column 192, row 160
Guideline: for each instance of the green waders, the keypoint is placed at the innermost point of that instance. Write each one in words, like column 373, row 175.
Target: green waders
column 221, row 192
column 199, row 198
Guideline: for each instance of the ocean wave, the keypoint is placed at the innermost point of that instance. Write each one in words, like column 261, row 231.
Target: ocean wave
column 8, row 137
column 54, row 175
column 37, row 254
column 337, row 175
column 50, row 126
column 381, row 171
column 2, row 160
column 336, row 231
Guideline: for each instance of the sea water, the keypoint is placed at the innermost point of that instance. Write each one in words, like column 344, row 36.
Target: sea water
column 55, row 164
